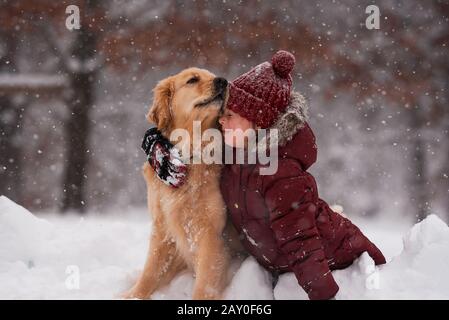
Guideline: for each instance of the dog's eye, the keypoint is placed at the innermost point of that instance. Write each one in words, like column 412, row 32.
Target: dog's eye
column 193, row 80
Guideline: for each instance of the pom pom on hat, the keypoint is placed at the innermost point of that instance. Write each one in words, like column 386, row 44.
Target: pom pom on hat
column 283, row 63
column 262, row 94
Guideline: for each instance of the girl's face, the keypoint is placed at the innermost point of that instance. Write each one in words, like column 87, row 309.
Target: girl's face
column 230, row 122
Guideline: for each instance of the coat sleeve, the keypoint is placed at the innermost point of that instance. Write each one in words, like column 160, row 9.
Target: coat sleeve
column 291, row 196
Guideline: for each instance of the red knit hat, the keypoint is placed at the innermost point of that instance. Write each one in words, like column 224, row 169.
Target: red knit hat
column 262, row 93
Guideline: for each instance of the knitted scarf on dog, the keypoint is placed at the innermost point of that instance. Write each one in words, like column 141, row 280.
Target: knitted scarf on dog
column 164, row 158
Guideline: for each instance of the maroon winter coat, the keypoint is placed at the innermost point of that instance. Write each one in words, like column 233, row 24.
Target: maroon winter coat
column 281, row 219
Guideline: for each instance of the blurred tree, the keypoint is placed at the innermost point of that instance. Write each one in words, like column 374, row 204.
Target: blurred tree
column 404, row 64
column 11, row 116
column 82, row 67
column 79, row 64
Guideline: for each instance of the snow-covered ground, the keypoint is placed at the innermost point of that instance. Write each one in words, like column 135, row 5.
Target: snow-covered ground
column 41, row 258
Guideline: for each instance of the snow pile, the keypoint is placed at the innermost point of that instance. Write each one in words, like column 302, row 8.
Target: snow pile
column 250, row 281
column 99, row 257
column 39, row 259
column 20, row 233
column 418, row 272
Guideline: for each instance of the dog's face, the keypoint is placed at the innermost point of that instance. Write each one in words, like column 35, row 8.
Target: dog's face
column 191, row 95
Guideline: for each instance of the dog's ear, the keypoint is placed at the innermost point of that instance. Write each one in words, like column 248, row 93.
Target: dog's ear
column 160, row 113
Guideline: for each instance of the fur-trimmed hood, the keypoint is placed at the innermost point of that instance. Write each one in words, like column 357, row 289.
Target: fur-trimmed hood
column 292, row 119
column 295, row 138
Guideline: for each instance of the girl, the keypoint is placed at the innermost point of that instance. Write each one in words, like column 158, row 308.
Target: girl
column 281, row 219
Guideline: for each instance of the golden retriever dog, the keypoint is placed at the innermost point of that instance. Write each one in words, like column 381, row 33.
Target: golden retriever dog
column 188, row 222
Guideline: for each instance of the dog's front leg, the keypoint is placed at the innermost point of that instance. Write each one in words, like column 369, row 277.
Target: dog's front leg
column 211, row 267
column 162, row 264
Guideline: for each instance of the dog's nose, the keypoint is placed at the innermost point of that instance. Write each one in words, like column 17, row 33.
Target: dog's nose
column 220, row 84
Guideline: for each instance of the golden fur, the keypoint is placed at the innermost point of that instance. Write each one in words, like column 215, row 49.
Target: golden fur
column 188, row 222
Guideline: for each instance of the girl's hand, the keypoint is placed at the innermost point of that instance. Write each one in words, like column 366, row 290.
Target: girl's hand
column 164, row 158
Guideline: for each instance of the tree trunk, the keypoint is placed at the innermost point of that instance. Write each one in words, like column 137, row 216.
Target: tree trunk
column 77, row 132
column 77, row 127
column 446, row 168
column 10, row 149
column 420, row 198
column 11, row 117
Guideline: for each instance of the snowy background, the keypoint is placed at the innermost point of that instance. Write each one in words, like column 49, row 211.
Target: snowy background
column 72, row 115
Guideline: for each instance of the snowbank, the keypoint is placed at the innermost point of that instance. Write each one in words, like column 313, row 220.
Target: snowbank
column 37, row 256
column 418, row 272
column 42, row 259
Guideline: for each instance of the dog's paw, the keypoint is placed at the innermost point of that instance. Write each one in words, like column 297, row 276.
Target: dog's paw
column 132, row 293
